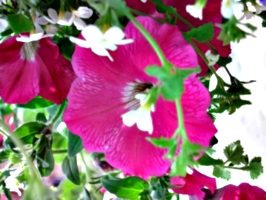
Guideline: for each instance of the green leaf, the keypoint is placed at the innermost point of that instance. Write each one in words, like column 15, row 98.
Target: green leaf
column 162, row 142
column 173, row 83
column 234, row 152
column 206, row 160
column 74, row 144
column 119, row 6
column 41, row 117
column 179, row 167
column 202, row 34
column 26, row 133
column 20, row 23
column 221, row 173
column 129, row 187
column 69, row 190
column 37, row 102
column 45, row 161
column 223, row 61
column 4, row 154
column 70, row 169
column 255, row 167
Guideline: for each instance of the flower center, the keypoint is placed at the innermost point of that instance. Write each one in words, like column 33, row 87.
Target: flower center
column 136, row 96
column 29, row 50
column 133, row 89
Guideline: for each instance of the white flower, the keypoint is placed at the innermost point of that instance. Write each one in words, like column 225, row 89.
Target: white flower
column 12, row 183
column 143, row 1
column 229, row 7
column 212, row 59
column 2, row 1
column 100, row 42
column 64, row 18
column 82, row 12
column 247, row 14
column 142, row 116
column 195, row 11
column 259, row 8
column 3, row 25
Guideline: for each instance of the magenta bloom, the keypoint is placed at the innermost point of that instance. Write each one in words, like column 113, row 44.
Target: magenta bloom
column 211, row 13
column 105, row 90
column 31, row 69
column 243, row 192
column 192, row 184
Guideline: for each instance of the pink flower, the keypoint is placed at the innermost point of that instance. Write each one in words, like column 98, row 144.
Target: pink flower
column 244, row 191
column 211, row 13
column 192, row 184
column 105, row 90
column 31, row 69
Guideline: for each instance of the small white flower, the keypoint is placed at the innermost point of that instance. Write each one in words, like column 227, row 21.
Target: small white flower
column 82, row 12
column 259, row 8
column 212, row 59
column 142, row 116
column 247, row 14
column 229, row 7
column 3, row 25
column 143, row 1
column 195, row 11
column 64, row 18
column 100, row 42
column 12, row 183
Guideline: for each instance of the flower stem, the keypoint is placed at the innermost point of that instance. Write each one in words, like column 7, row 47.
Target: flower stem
column 150, row 39
column 58, row 113
column 59, row 151
column 181, row 128
column 94, row 190
column 35, row 175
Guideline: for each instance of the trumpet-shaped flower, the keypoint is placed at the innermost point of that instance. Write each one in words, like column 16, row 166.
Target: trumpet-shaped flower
column 31, row 69
column 210, row 13
column 229, row 7
column 100, row 42
column 104, row 91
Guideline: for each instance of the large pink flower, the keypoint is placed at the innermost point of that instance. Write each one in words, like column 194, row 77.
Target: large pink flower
column 193, row 183
column 31, row 69
column 244, row 191
column 105, row 90
column 211, row 13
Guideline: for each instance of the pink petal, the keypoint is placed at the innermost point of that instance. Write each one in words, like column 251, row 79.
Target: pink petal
column 95, row 101
column 244, row 192
column 211, row 13
column 56, row 73
column 18, row 78
column 192, row 184
column 47, row 73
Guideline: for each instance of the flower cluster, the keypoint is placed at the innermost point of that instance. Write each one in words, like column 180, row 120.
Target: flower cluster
column 129, row 89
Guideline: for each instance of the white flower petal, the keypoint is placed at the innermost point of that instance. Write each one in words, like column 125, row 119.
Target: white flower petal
column 92, row 33
column 212, row 59
column 41, row 20
column 114, row 34
column 79, row 23
column 68, row 16
column 130, row 118
column 126, row 41
column 101, row 51
column 194, row 11
column 79, row 42
column 12, row 184
column 144, row 120
column 3, row 25
column 83, row 12
column 53, row 15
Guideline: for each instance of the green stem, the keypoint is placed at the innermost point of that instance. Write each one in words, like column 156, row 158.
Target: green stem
column 94, row 190
column 150, row 39
column 59, row 151
column 33, row 171
column 58, row 113
column 181, row 128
